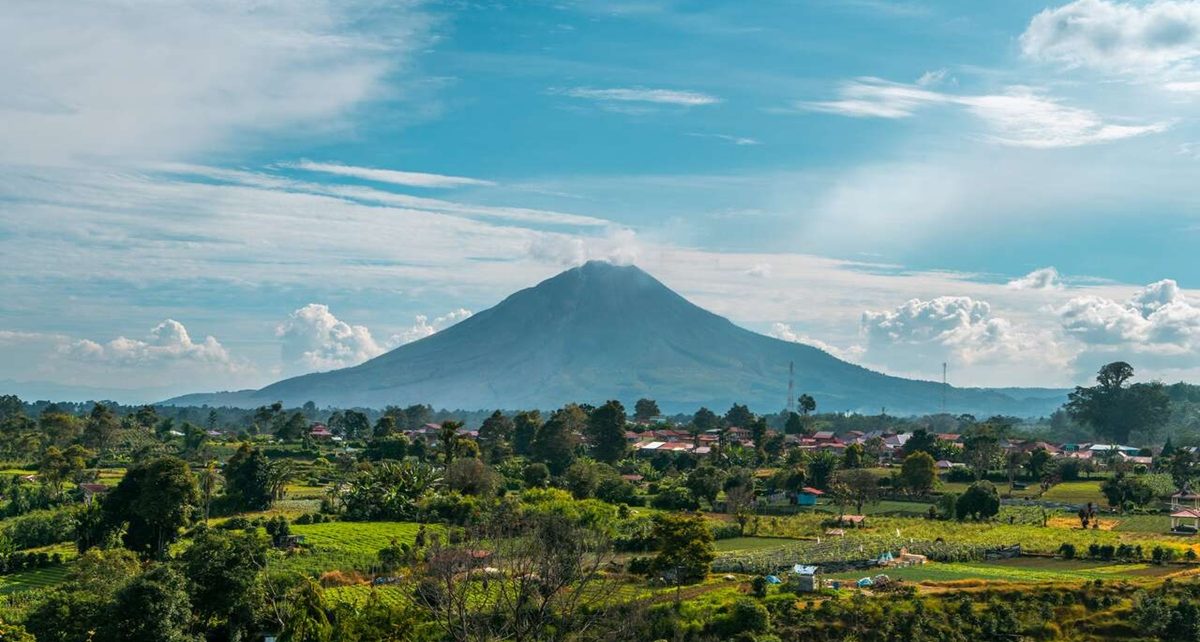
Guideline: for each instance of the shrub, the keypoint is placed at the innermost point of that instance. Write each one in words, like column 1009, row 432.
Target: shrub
column 1067, row 551
column 640, row 565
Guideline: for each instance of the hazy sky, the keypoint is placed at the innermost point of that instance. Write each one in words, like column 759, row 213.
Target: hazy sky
column 211, row 195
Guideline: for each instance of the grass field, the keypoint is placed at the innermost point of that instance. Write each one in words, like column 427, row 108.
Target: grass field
column 34, row 579
column 1076, row 492
column 750, row 544
column 1021, row 570
column 347, row 545
column 1032, row 536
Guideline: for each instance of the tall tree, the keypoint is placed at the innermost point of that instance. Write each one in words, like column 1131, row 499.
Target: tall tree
column 154, row 607
column 606, row 432
column 448, row 438
column 525, row 427
column 101, row 428
column 247, row 479
column 645, row 410
column 918, row 473
column 982, row 452
column 739, row 415
column 1114, row 410
column 685, row 546
column 355, row 425
column 554, row 445
column 494, row 436
column 705, row 419
column 153, row 501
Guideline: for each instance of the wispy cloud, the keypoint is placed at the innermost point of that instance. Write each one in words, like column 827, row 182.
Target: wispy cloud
column 169, row 80
column 736, row 140
column 1019, row 117
column 395, row 177
column 641, row 95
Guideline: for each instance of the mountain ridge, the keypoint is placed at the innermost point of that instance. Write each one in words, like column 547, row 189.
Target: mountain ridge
column 601, row 331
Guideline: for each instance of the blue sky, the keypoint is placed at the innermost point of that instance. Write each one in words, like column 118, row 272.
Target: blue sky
column 204, row 196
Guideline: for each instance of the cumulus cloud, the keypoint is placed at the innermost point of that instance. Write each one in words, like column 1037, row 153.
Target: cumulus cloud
column 1046, row 278
column 785, row 332
column 760, row 270
column 955, row 329
column 1116, row 36
column 619, row 246
column 314, row 339
column 1019, row 117
column 1157, row 320
column 422, row 327
column 168, row 342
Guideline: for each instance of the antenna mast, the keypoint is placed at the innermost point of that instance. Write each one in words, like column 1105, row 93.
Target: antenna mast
column 944, row 386
column 791, row 403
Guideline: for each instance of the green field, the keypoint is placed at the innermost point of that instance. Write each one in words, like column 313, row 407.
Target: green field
column 1076, row 492
column 750, row 544
column 1021, row 570
column 346, row 546
column 34, row 579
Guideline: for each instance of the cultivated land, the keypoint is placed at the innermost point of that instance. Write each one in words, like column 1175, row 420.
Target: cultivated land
column 420, row 528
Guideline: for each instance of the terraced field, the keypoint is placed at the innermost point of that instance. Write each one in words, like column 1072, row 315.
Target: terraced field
column 347, row 546
column 31, row 580
column 1022, row 571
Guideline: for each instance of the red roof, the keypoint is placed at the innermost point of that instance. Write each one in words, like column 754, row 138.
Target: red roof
column 812, row 491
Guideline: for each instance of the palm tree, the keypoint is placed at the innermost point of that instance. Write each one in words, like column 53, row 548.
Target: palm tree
column 208, row 484
column 279, row 473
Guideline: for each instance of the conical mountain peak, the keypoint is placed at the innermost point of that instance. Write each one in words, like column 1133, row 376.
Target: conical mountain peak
column 601, row 331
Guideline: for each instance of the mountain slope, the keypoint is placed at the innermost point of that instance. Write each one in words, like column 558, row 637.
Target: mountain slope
column 599, row 332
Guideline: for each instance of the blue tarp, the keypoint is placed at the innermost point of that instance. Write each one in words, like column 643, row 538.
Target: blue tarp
column 866, row 581
column 771, row 579
column 801, row 569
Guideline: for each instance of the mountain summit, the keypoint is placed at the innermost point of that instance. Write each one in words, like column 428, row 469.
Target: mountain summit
column 601, row 331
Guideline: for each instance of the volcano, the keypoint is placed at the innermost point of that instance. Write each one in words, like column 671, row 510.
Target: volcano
column 601, row 331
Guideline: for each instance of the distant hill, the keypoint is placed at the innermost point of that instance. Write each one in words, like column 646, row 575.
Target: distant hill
column 600, row 332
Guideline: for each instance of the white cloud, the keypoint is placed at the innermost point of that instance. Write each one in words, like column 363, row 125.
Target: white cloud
column 410, row 179
column 168, row 342
column 1046, row 278
column 314, row 339
column 422, row 327
column 958, row 330
column 642, row 95
column 760, row 270
column 785, row 332
column 1157, row 320
column 1019, row 117
column 163, row 80
column 1116, row 36
column 934, row 77
column 736, row 140
column 619, row 246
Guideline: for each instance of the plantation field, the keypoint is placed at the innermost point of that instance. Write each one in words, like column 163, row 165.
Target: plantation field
column 1021, row 570
column 1032, row 536
column 750, row 544
column 347, row 546
column 1076, row 492
column 33, row 579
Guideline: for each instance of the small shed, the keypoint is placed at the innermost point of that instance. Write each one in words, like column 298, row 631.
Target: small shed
column 808, row 496
column 805, row 578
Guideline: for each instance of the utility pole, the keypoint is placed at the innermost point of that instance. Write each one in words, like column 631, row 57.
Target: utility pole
column 944, row 385
column 791, row 402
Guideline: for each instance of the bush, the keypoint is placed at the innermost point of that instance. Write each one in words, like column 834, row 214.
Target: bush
column 640, row 565
column 1067, row 551
column 42, row 528
column 1162, row 555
